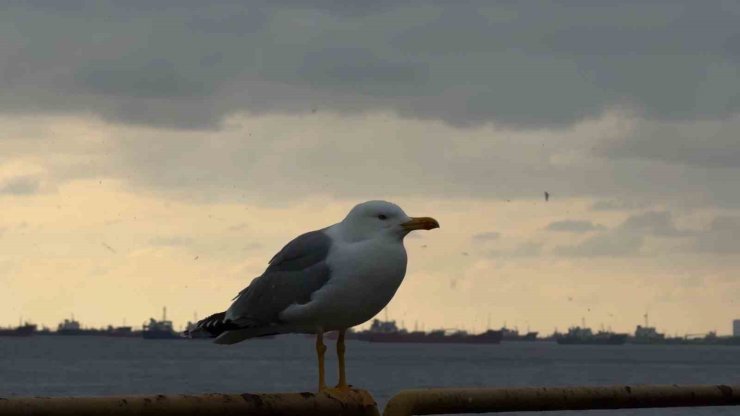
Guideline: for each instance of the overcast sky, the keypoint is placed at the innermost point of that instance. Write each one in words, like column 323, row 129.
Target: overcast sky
column 159, row 153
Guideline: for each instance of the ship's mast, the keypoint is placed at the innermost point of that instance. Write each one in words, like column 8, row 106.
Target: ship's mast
column 164, row 313
column 646, row 319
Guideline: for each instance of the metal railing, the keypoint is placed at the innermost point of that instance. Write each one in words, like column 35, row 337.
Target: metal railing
column 494, row 400
column 360, row 402
column 351, row 403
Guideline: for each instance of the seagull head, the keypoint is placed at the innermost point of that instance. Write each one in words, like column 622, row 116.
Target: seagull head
column 373, row 219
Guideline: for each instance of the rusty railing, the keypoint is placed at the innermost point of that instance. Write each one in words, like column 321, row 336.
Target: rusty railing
column 494, row 400
column 360, row 402
column 351, row 403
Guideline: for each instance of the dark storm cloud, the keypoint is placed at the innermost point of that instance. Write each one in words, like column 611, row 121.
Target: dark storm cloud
column 707, row 144
column 20, row 185
column 348, row 68
column 187, row 64
column 574, row 226
column 157, row 78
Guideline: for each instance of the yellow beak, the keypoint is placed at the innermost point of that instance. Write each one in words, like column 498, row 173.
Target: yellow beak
column 420, row 223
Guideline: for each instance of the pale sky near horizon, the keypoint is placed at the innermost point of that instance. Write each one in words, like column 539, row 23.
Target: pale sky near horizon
column 159, row 156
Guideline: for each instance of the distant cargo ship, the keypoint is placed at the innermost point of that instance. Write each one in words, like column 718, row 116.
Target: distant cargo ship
column 387, row 331
column 72, row 327
column 577, row 335
column 649, row 336
column 160, row 329
column 121, row 332
column 514, row 335
column 646, row 334
column 19, row 331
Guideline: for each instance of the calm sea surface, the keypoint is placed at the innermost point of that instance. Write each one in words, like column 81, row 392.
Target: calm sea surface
column 84, row 366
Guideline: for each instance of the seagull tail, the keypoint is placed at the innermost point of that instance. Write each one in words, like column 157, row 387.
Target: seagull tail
column 212, row 326
column 226, row 331
column 237, row 335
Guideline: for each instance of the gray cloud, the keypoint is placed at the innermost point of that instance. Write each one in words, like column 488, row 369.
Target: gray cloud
column 625, row 239
column 657, row 223
column 524, row 249
column 20, row 185
column 615, row 205
column 188, row 64
column 176, row 65
column 721, row 237
column 156, row 79
column 349, row 68
column 340, row 156
column 574, row 226
column 527, row 249
column 706, row 144
column 611, row 244
column 487, row 236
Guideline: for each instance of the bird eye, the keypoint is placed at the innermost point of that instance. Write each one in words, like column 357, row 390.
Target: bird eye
column 382, row 217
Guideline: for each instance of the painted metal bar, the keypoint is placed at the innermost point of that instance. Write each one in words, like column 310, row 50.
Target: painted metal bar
column 493, row 400
column 350, row 403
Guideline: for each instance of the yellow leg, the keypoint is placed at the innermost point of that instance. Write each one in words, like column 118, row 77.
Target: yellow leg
column 320, row 350
column 340, row 356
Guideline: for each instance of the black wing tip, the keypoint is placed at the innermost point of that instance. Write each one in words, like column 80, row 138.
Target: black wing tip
column 212, row 326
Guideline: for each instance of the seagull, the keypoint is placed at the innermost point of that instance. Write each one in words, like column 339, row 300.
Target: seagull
column 325, row 280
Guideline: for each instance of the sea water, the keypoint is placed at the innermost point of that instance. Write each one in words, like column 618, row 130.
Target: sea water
column 99, row 366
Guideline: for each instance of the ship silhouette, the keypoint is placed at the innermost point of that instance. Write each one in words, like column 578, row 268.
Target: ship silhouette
column 25, row 330
column 388, row 331
column 583, row 335
column 160, row 329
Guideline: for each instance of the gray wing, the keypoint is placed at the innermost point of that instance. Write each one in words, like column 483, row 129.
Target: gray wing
column 293, row 275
